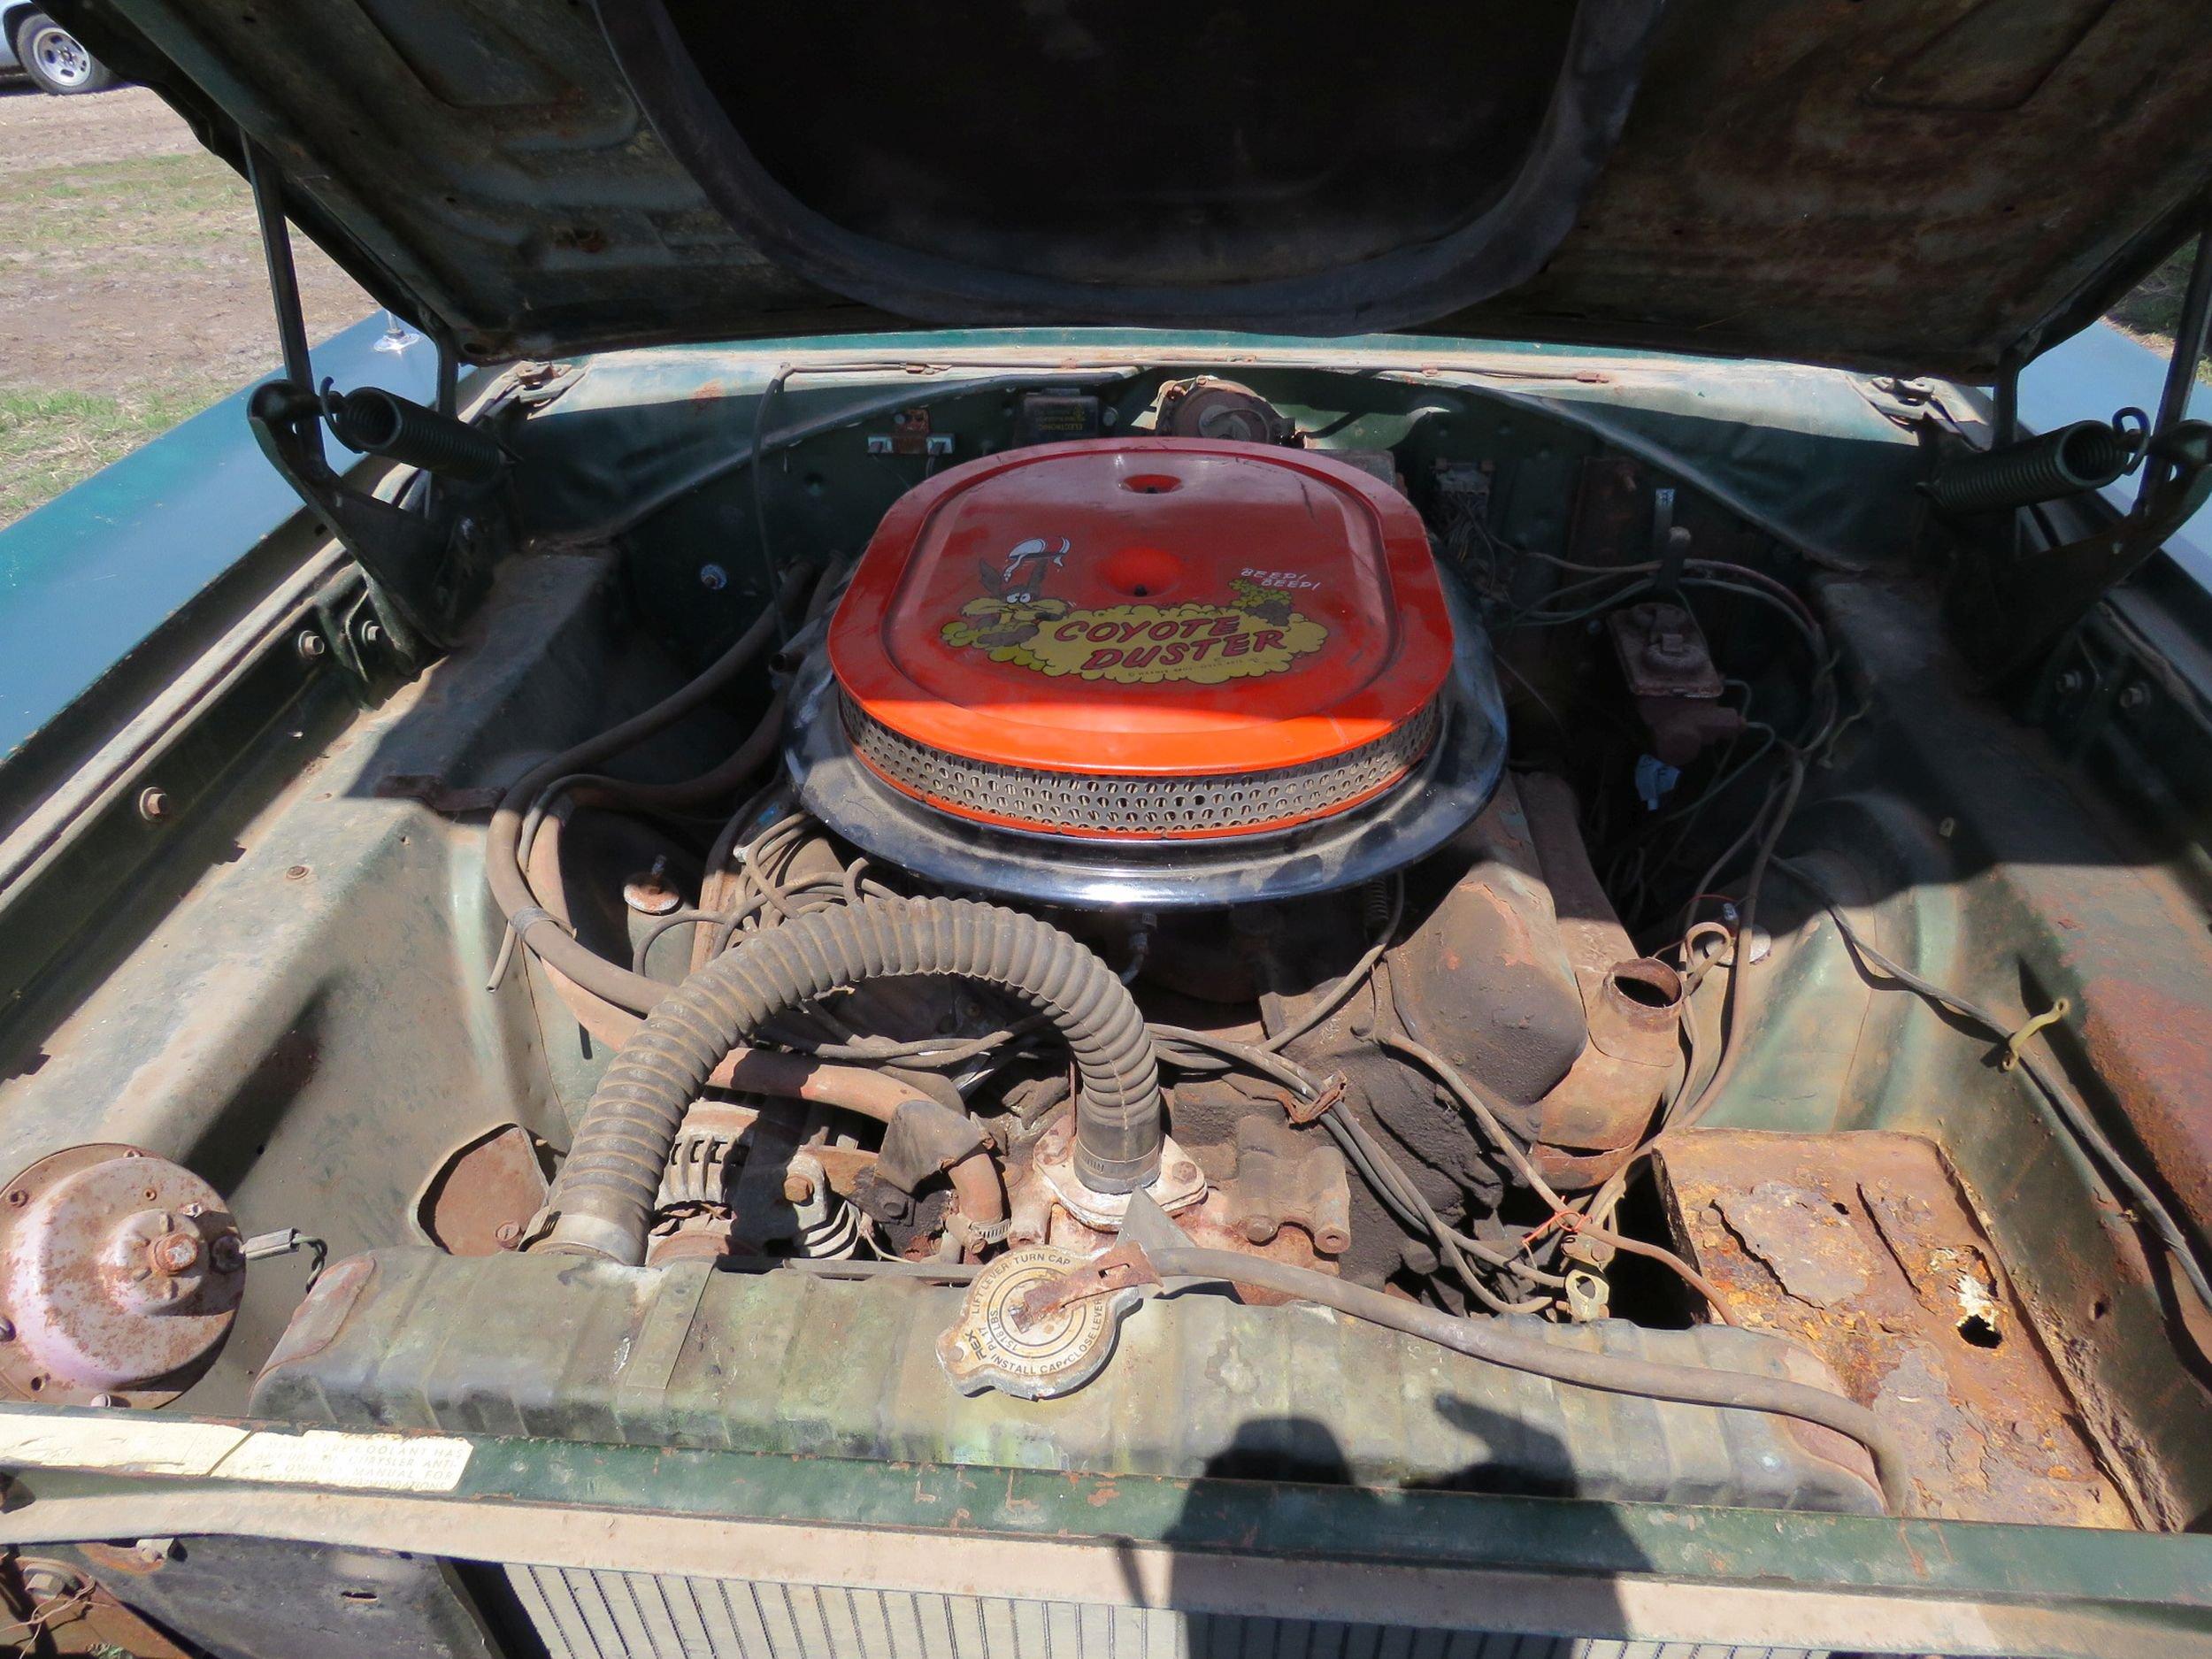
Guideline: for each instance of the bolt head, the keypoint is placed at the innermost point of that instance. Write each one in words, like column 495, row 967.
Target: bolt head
column 797, row 1188
column 49, row 1580
column 2071, row 681
column 175, row 1252
column 2135, row 696
column 153, row 804
column 1185, row 1172
column 312, row 646
column 1259, row 1229
column 649, row 893
column 372, row 634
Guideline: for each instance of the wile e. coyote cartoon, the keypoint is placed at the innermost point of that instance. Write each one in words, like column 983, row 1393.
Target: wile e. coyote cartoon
column 1013, row 584
column 1258, row 632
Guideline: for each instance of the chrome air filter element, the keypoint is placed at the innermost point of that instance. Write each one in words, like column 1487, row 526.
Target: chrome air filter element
column 1122, row 805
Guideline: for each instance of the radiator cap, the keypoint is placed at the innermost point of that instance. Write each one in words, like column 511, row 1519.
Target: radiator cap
column 993, row 1347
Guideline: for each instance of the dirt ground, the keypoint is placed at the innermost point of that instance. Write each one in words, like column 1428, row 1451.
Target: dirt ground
column 132, row 292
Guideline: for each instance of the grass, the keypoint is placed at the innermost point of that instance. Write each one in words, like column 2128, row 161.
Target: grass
column 135, row 281
column 126, row 222
column 116, row 212
column 51, row 440
column 2153, row 311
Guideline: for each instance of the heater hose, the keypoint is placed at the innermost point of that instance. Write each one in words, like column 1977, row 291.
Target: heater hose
column 537, row 928
column 602, row 1201
column 1614, row 1373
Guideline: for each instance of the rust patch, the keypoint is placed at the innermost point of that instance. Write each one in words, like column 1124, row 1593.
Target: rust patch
column 1209, row 1225
column 1860, row 1247
column 482, row 1196
column 1125, row 1267
column 117, row 1558
column 1516, row 946
column 1954, row 1279
column 1813, row 1253
column 2153, row 1049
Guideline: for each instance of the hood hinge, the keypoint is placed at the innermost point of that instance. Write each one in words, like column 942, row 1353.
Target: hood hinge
column 426, row 556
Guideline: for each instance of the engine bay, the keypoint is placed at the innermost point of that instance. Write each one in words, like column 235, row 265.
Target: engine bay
column 1207, row 753
column 1201, row 711
column 1136, row 908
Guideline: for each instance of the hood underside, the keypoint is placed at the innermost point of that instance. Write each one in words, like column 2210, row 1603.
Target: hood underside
column 1914, row 185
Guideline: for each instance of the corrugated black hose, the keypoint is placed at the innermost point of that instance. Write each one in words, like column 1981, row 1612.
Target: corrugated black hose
column 601, row 1202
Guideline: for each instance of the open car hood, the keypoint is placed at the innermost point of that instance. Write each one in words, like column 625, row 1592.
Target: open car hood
column 1914, row 185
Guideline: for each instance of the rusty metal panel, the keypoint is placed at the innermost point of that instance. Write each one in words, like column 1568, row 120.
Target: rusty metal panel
column 1862, row 1246
column 480, row 1200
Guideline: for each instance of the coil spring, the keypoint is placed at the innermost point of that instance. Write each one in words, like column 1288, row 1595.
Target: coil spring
column 372, row 421
column 2085, row 456
column 1374, row 905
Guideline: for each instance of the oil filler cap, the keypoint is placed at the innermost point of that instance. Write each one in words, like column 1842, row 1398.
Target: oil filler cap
column 993, row 1347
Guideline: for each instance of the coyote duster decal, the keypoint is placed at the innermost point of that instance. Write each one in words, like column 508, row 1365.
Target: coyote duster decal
column 1259, row 631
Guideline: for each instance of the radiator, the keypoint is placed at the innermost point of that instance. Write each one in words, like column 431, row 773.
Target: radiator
column 603, row 1615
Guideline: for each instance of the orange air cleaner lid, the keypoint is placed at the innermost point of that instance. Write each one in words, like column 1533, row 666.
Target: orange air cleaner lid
column 1145, row 608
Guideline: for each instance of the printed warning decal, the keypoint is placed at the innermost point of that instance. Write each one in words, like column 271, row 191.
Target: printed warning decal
column 1258, row 632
